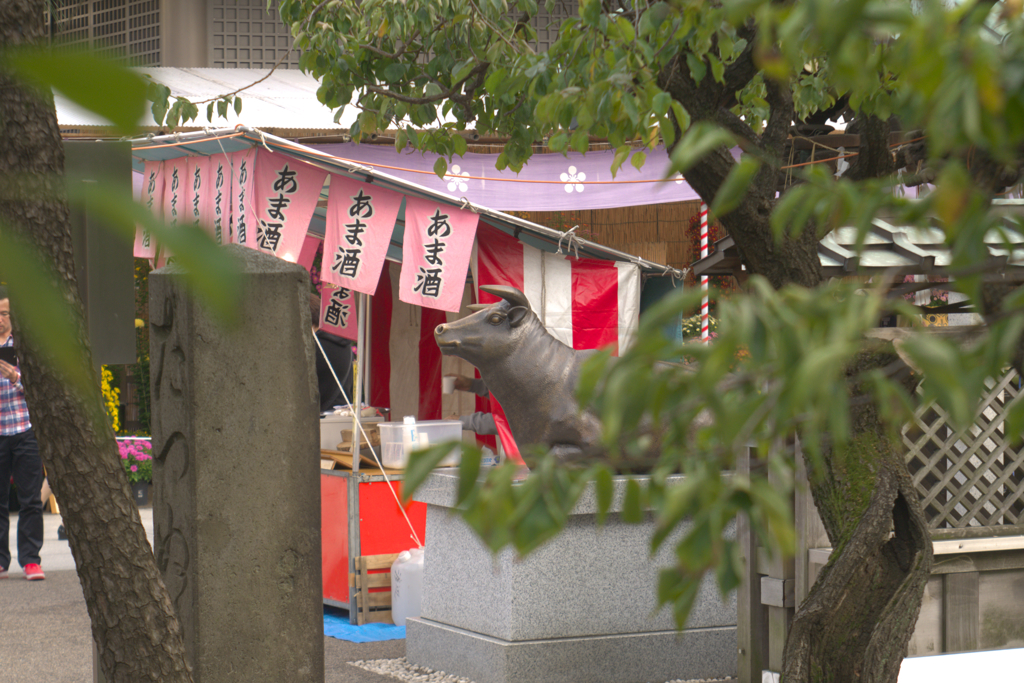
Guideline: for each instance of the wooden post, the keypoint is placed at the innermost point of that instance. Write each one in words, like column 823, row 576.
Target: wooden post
column 781, row 573
column 751, row 630
column 960, row 612
column 810, row 532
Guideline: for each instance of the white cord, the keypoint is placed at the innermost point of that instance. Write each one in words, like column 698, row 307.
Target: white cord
column 362, row 431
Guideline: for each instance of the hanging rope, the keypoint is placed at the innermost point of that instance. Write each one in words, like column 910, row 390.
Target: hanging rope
column 373, row 452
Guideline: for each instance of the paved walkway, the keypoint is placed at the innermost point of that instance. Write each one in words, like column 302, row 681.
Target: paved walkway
column 45, row 634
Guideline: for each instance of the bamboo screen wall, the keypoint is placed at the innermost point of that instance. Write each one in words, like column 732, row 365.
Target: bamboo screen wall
column 656, row 232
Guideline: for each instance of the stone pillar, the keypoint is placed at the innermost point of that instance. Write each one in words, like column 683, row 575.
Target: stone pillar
column 236, row 509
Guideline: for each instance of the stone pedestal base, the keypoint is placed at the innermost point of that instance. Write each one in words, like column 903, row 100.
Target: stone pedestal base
column 661, row 656
column 581, row 608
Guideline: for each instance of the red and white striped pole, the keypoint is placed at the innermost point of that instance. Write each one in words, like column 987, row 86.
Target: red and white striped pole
column 704, row 332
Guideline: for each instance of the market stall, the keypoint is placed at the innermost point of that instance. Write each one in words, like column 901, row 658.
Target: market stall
column 400, row 259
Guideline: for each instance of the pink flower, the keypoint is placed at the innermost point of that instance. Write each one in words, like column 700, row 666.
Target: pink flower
column 134, row 468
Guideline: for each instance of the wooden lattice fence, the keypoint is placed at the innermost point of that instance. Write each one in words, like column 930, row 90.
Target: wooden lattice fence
column 970, row 479
column 971, row 486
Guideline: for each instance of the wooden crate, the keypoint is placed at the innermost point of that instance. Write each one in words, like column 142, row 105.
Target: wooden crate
column 375, row 606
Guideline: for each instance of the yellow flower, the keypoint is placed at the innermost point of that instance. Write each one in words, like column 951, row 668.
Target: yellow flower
column 111, row 397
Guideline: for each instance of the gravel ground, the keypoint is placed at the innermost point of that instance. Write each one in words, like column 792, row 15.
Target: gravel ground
column 404, row 671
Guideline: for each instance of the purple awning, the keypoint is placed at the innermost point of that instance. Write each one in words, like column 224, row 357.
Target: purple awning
column 549, row 182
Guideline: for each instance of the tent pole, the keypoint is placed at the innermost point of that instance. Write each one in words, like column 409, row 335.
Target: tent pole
column 357, row 390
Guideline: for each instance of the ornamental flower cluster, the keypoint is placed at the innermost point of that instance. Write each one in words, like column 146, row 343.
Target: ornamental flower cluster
column 691, row 327
column 137, row 459
column 111, row 397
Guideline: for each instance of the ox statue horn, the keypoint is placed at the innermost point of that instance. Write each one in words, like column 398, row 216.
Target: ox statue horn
column 509, row 294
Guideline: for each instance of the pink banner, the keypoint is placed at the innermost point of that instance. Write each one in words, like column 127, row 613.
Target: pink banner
column 338, row 311
column 436, row 250
column 285, row 193
column 153, row 199
column 360, row 220
column 242, row 231
column 177, row 196
column 217, row 199
column 199, row 213
column 310, row 246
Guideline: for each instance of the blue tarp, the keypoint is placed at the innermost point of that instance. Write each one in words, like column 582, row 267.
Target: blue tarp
column 336, row 625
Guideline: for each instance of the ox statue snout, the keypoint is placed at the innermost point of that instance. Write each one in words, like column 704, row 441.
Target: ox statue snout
column 447, row 346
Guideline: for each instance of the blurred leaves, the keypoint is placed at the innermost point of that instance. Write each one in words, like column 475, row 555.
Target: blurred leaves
column 210, row 273
column 43, row 315
column 119, row 95
column 777, row 373
column 94, row 83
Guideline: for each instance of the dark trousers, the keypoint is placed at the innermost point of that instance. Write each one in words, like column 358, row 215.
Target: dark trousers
column 19, row 457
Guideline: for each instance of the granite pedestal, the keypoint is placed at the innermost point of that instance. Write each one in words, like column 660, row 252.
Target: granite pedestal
column 581, row 608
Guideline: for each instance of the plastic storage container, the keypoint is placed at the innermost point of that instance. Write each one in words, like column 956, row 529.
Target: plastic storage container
column 331, row 427
column 406, row 585
column 395, row 445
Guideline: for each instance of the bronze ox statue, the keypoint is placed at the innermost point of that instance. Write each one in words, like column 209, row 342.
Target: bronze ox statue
column 532, row 374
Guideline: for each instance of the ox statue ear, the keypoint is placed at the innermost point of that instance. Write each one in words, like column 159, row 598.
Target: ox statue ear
column 509, row 294
column 516, row 315
column 478, row 307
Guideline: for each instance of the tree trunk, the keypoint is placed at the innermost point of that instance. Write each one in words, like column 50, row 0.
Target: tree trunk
column 133, row 621
column 860, row 613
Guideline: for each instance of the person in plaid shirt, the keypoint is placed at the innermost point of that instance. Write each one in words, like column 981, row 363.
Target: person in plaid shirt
column 19, row 458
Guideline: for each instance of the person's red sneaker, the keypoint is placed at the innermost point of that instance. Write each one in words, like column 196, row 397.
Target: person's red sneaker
column 33, row 572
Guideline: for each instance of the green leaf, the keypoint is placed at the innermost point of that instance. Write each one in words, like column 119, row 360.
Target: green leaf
column 679, row 590
column 580, row 141
column 1013, row 420
column 626, row 30
column 620, row 157
column 469, row 471
column 160, row 95
column 440, row 167
column 238, row 105
column 660, row 103
column 459, row 145
column 401, row 140
column 717, row 68
column 208, row 269
column 559, row 142
column 99, row 85
column 632, row 506
column 701, row 139
column 604, row 487
column 729, row 570
column 638, row 160
column 43, row 314
column 734, row 188
column 682, row 116
column 422, row 463
column 394, row 72
column 697, row 68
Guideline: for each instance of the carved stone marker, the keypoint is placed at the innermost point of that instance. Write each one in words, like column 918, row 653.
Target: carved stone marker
column 236, row 510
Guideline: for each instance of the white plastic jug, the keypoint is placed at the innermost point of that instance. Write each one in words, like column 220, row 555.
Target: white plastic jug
column 406, row 585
